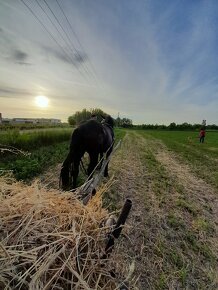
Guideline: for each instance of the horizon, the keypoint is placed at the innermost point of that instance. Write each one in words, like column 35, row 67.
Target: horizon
column 151, row 61
column 138, row 124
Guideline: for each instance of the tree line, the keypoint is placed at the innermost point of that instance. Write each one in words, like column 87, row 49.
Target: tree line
column 175, row 127
column 84, row 115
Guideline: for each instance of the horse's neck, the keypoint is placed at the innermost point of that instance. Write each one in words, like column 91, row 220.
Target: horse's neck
column 108, row 130
column 109, row 126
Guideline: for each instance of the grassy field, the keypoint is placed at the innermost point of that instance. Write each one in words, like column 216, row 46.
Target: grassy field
column 34, row 139
column 172, row 181
column 43, row 149
column 202, row 158
column 173, row 225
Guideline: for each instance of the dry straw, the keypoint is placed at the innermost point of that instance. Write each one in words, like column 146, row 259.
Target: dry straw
column 50, row 240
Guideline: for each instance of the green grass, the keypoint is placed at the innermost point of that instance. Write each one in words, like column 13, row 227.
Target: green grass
column 119, row 134
column 28, row 167
column 178, row 230
column 46, row 148
column 202, row 158
column 34, row 140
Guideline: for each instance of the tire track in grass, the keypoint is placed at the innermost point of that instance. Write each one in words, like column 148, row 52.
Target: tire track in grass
column 194, row 207
column 128, row 171
column 172, row 233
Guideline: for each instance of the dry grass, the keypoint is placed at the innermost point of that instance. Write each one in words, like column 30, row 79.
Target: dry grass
column 52, row 241
column 174, row 219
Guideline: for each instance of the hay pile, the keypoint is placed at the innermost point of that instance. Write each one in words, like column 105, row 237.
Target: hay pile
column 51, row 241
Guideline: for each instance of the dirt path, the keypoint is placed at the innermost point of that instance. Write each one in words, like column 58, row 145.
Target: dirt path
column 129, row 171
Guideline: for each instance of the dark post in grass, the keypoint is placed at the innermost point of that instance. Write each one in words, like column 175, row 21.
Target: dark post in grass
column 118, row 227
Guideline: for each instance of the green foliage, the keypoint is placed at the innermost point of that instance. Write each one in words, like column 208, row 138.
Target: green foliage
column 34, row 140
column 28, row 126
column 27, row 167
column 84, row 115
column 46, row 147
column 175, row 127
column 71, row 121
column 124, row 122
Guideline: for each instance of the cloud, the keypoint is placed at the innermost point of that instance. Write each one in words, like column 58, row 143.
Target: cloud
column 76, row 58
column 12, row 92
column 11, row 51
column 20, row 55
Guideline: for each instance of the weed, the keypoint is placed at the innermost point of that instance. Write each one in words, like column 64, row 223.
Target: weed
column 175, row 222
column 187, row 206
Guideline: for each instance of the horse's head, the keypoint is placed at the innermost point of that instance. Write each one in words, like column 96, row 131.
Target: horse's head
column 109, row 121
column 64, row 181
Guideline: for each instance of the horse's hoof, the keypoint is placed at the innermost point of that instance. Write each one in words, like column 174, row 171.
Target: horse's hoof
column 94, row 191
column 106, row 175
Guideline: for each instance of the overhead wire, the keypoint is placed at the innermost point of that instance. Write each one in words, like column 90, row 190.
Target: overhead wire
column 77, row 38
column 65, row 33
column 50, row 34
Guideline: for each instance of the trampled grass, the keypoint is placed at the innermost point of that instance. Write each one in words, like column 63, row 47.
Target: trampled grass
column 202, row 158
column 174, row 215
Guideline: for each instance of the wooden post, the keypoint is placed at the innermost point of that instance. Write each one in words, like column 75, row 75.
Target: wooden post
column 118, row 227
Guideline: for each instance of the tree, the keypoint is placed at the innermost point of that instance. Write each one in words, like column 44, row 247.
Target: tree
column 125, row 122
column 71, row 121
column 84, row 115
column 172, row 126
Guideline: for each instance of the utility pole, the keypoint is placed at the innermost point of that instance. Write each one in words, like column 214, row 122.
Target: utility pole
column 118, row 119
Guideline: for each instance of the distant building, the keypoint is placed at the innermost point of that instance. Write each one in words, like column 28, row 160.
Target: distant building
column 29, row 121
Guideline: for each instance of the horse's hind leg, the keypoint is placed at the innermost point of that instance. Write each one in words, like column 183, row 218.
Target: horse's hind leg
column 93, row 162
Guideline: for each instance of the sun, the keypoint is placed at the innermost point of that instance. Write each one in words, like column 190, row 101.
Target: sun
column 42, row 101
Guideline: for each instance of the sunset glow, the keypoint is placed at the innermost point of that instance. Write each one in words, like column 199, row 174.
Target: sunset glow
column 42, row 101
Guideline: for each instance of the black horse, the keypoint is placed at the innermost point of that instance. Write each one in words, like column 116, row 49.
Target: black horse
column 92, row 137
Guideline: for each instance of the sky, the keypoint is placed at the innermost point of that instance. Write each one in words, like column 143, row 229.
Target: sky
column 152, row 61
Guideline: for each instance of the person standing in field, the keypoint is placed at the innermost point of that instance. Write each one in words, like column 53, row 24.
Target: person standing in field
column 202, row 135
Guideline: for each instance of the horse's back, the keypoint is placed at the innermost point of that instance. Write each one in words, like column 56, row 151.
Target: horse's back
column 89, row 135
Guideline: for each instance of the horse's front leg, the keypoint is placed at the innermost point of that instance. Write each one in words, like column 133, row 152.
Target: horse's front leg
column 92, row 164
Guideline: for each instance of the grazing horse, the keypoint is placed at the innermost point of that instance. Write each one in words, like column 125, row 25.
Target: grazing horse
column 92, row 137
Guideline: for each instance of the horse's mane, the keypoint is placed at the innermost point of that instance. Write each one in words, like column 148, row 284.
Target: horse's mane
column 109, row 121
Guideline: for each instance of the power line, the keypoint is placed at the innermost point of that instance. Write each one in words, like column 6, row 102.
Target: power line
column 75, row 35
column 51, row 35
column 70, row 41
